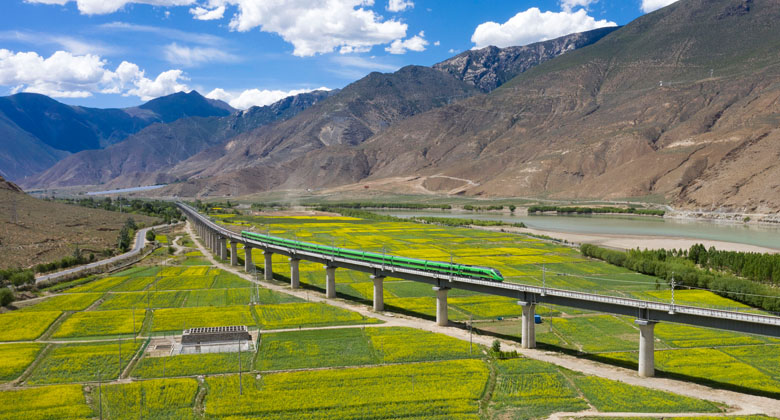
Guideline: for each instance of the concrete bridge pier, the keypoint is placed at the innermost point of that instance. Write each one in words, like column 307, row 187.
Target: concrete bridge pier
column 295, row 275
column 223, row 247
column 249, row 267
column 441, row 306
column 528, row 337
column 233, row 253
column 379, row 298
column 646, row 347
column 268, row 267
column 330, row 281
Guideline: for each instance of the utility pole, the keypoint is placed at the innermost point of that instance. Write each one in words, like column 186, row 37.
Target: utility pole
column 671, row 310
column 100, row 394
column 119, row 340
column 240, row 385
column 471, row 328
column 544, row 279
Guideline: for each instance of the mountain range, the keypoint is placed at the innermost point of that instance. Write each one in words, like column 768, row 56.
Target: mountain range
column 680, row 105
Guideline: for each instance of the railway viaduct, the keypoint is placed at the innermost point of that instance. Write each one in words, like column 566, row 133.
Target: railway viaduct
column 646, row 313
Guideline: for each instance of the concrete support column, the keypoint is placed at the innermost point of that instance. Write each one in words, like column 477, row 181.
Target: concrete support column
column 330, row 281
column 295, row 276
column 646, row 347
column 233, row 253
column 528, row 338
column 441, row 306
column 248, row 265
column 222, row 248
column 379, row 298
column 268, row 267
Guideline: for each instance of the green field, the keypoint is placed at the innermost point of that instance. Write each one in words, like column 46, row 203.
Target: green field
column 101, row 323
column 19, row 326
column 362, row 372
column 153, row 399
column 192, row 364
column 45, row 403
column 294, row 315
column 520, row 259
column 14, row 359
column 65, row 302
column 179, row 319
column 68, row 363
column 396, row 391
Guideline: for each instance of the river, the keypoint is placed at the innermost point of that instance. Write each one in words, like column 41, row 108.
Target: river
column 763, row 236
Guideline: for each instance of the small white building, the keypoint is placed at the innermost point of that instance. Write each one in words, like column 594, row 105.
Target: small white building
column 215, row 340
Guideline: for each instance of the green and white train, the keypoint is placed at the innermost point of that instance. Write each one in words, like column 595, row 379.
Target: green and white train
column 461, row 270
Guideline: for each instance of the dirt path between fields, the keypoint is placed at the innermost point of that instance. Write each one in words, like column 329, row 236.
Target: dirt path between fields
column 741, row 404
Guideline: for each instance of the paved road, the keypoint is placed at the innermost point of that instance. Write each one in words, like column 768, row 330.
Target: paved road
column 140, row 242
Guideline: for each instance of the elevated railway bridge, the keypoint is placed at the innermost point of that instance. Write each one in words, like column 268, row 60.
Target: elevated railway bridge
column 646, row 313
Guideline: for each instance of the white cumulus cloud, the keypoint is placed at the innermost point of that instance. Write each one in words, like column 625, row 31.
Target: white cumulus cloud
column 399, row 5
column 316, row 27
column 255, row 97
column 533, row 25
column 651, row 5
column 569, row 5
column 194, row 56
column 415, row 43
column 101, row 7
column 65, row 75
column 201, row 13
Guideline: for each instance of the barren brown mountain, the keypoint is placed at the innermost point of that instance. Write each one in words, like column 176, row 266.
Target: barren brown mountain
column 682, row 103
column 36, row 231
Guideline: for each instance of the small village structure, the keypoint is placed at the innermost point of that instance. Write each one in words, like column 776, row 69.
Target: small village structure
column 229, row 339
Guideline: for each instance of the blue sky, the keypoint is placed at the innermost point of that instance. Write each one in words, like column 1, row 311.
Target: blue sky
column 118, row 53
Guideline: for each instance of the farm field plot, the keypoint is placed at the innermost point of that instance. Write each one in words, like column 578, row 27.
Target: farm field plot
column 677, row 335
column 14, row 359
column 65, row 302
column 715, row 367
column 614, row 396
column 101, row 323
column 148, row 299
column 102, row 285
column 292, row 315
column 529, row 388
column 316, row 348
column 45, row 403
column 520, row 259
column 598, row 333
column 409, row 345
column 192, row 364
column 354, row 393
column 358, row 346
column 152, row 399
column 19, row 326
column 68, row 363
column 178, row 319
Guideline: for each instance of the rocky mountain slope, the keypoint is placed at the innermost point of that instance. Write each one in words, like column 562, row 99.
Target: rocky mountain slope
column 490, row 67
column 37, row 131
column 263, row 158
column 682, row 103
column 139, row 159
